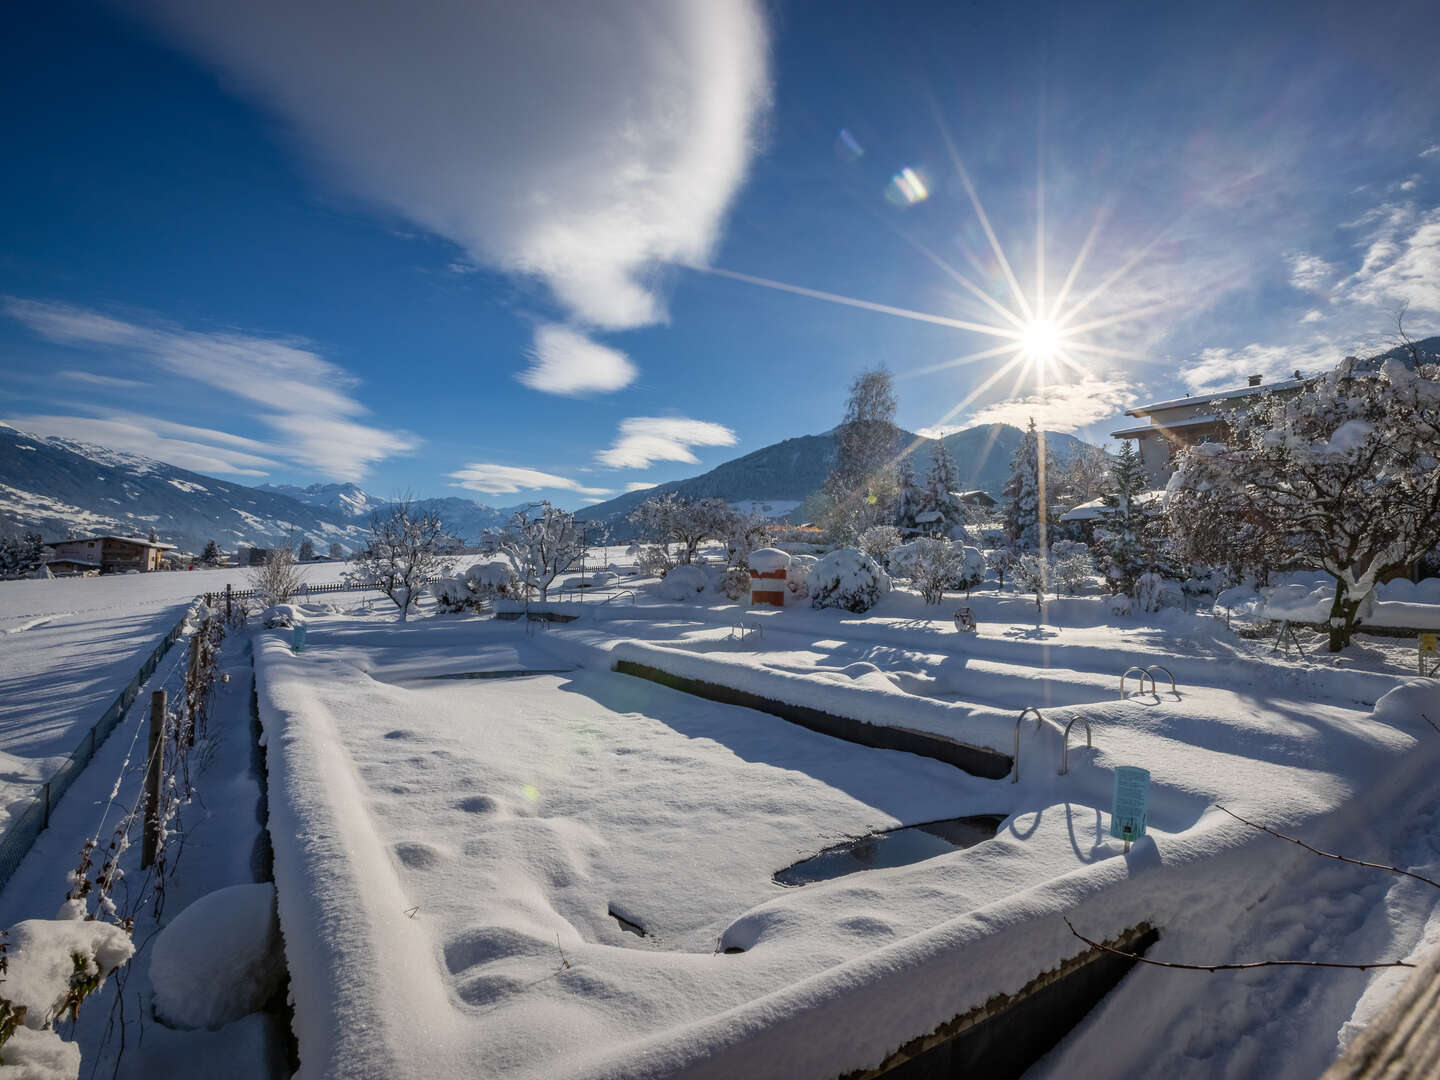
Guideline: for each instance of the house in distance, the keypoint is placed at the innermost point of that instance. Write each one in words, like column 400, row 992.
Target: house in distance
column 105, row 555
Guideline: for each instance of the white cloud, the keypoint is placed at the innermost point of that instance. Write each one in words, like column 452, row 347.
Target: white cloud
column 1060, row 407
column 304, row 397
column 1313, row 315
column 110, row 382
column 1310, row 273
column 1430, row 151
column 644, row 439
column 1410, row 185
column 509, row 479
column 1225, row 369
column 567, row 362
column 151, row 438
column 582, row 144
column 640, row 485
column 1402, row 260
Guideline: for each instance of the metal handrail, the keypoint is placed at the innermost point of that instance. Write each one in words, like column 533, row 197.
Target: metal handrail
column 616, row 596
column 1143, row 676
column 1065, row 742
column 1039, row 726
column 1150, row 670
column 747, row 626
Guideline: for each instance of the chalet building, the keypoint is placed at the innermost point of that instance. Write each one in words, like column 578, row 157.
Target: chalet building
column 105, row 555
column 1188, row 421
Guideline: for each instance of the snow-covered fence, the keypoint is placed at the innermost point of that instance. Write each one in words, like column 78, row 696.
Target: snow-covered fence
column 18, row 838
column 213, row 599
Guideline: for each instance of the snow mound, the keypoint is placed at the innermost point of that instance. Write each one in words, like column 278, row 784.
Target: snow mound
column 682, row 583
column 847, row 578
column 281, row 617
column 219, row 959
column 768, row 560
column 40, row 1055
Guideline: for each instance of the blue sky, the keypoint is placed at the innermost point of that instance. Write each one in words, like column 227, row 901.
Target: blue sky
column 562, row 250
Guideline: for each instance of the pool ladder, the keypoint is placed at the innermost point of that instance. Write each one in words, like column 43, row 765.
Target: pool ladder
column 1148, row 672
column 1064, row 739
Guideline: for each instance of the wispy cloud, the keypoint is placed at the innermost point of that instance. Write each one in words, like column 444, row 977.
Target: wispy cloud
column 645, row 439
column 1430, row 151
column 1402, row 260
column 1060, row 406
column 567, row 362
column 201, row 449
column 490, row 479
column 640, row 485
column 1310, row 273
column 111, row 382
column 581, row 145
column 300, row 395
column 1224, row 369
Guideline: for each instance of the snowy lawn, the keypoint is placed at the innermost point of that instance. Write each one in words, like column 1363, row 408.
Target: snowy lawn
column 449, row 851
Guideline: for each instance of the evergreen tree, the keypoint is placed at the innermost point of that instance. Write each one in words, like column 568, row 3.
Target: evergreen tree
column 1129, row 538
column 307, row 550
column 1022, row 492
column 211, row 555
column 940, row 484
column 909, row 499
column 860, row 490
column 21, row 556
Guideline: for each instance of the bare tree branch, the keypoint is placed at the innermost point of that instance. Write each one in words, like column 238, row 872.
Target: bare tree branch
column 1231, row 967
column 1330, row 855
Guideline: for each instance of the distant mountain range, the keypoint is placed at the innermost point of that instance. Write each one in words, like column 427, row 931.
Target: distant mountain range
column 787, row 473
column 51, row 485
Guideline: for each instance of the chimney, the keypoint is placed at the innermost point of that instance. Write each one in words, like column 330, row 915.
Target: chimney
column 1255, row 380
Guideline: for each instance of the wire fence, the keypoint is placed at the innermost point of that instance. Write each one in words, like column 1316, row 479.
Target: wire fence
column 19, row 836
column 212, row 599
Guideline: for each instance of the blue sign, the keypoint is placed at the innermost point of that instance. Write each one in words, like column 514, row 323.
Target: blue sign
column 1128, row 807
column 297, row 638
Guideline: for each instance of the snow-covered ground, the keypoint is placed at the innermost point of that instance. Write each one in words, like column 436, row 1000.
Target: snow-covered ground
column 449, row 851
column 68, row 646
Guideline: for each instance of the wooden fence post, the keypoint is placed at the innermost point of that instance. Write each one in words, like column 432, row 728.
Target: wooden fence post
column 153, row 772
column 227, row 601
column 192, row 684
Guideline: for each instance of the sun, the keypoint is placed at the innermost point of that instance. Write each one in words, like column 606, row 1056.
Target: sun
column 1040, row 340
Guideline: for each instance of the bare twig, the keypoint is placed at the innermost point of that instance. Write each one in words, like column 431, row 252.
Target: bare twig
column 1231, row 967
column 1430, row 722
column 564, row 960
column 1330, row 855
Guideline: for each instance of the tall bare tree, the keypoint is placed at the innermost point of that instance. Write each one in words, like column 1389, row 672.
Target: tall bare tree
column 405, row 552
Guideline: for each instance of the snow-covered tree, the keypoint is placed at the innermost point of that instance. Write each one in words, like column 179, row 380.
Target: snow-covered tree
column 404, row 553
column 1023, row 518
column 909, row 496
column 860, row 490
column 1083, row 475
column 941, row 480
column 542, row 542
column 277, row 576
column 744, row 533
column 1033, row 575
column 211, row 555
column 878, row 541
column 1131, row 536
column 1001, row 561
column 337, row 553
column 686, row 523
column 21, row 556
column 934, row 564
column 1347, row 471
column 307, row 550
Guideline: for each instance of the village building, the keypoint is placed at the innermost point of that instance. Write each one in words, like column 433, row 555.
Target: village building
column 1188, row 421
column 105, row 555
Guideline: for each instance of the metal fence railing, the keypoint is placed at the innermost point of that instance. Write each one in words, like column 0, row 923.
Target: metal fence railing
column 20, row 834
column 219, row 597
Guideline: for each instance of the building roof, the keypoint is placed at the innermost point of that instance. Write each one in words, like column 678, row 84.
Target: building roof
column 142, row 542
column 1096, row 508
column 1224, row 395
column 1150, row 429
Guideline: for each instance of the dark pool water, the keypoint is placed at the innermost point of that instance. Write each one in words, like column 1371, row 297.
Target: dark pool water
column 898, row 847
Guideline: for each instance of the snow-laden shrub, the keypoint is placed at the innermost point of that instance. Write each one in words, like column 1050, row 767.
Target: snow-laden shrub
column 684, row 583
column 1119, row 604
column 1031, row 572
column 479, row 585
column 1072, row 572
column 1150, row 592
column 797, row 576
column 735, row 583
column 450, row 594
column 281, row 617
column 652, row 559
column 601, row 577
column 1001, row 561
column 934, row 565
column 878, row 541
column 846, row 578
column 1064, row 549
column 219, row 959
column 52, row 965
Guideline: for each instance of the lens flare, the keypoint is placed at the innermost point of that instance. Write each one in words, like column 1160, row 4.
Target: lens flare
column 907, row 187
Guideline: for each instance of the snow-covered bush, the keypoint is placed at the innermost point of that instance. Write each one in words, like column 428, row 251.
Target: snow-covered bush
column 683, row 583
column 601, row 578
column 846, row 578
column 1032, row 575
column 1119, row 604
column 278, row 577
column 281, row 617
column 1001, row 561
column 735, row 583
column 652, row 560
column 972, row 568
column 797, row 577
column 878, row 541
column 933, row 565
column 1152, row 592
column 52, row 965
column 1064, row 549
column 451, row 594
column 1070, row 573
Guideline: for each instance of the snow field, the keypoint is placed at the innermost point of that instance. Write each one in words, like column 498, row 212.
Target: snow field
column 462, row 842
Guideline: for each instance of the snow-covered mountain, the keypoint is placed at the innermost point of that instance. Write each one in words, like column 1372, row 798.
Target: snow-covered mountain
column 50, row 485
column 783, row 475
column 346, row 499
